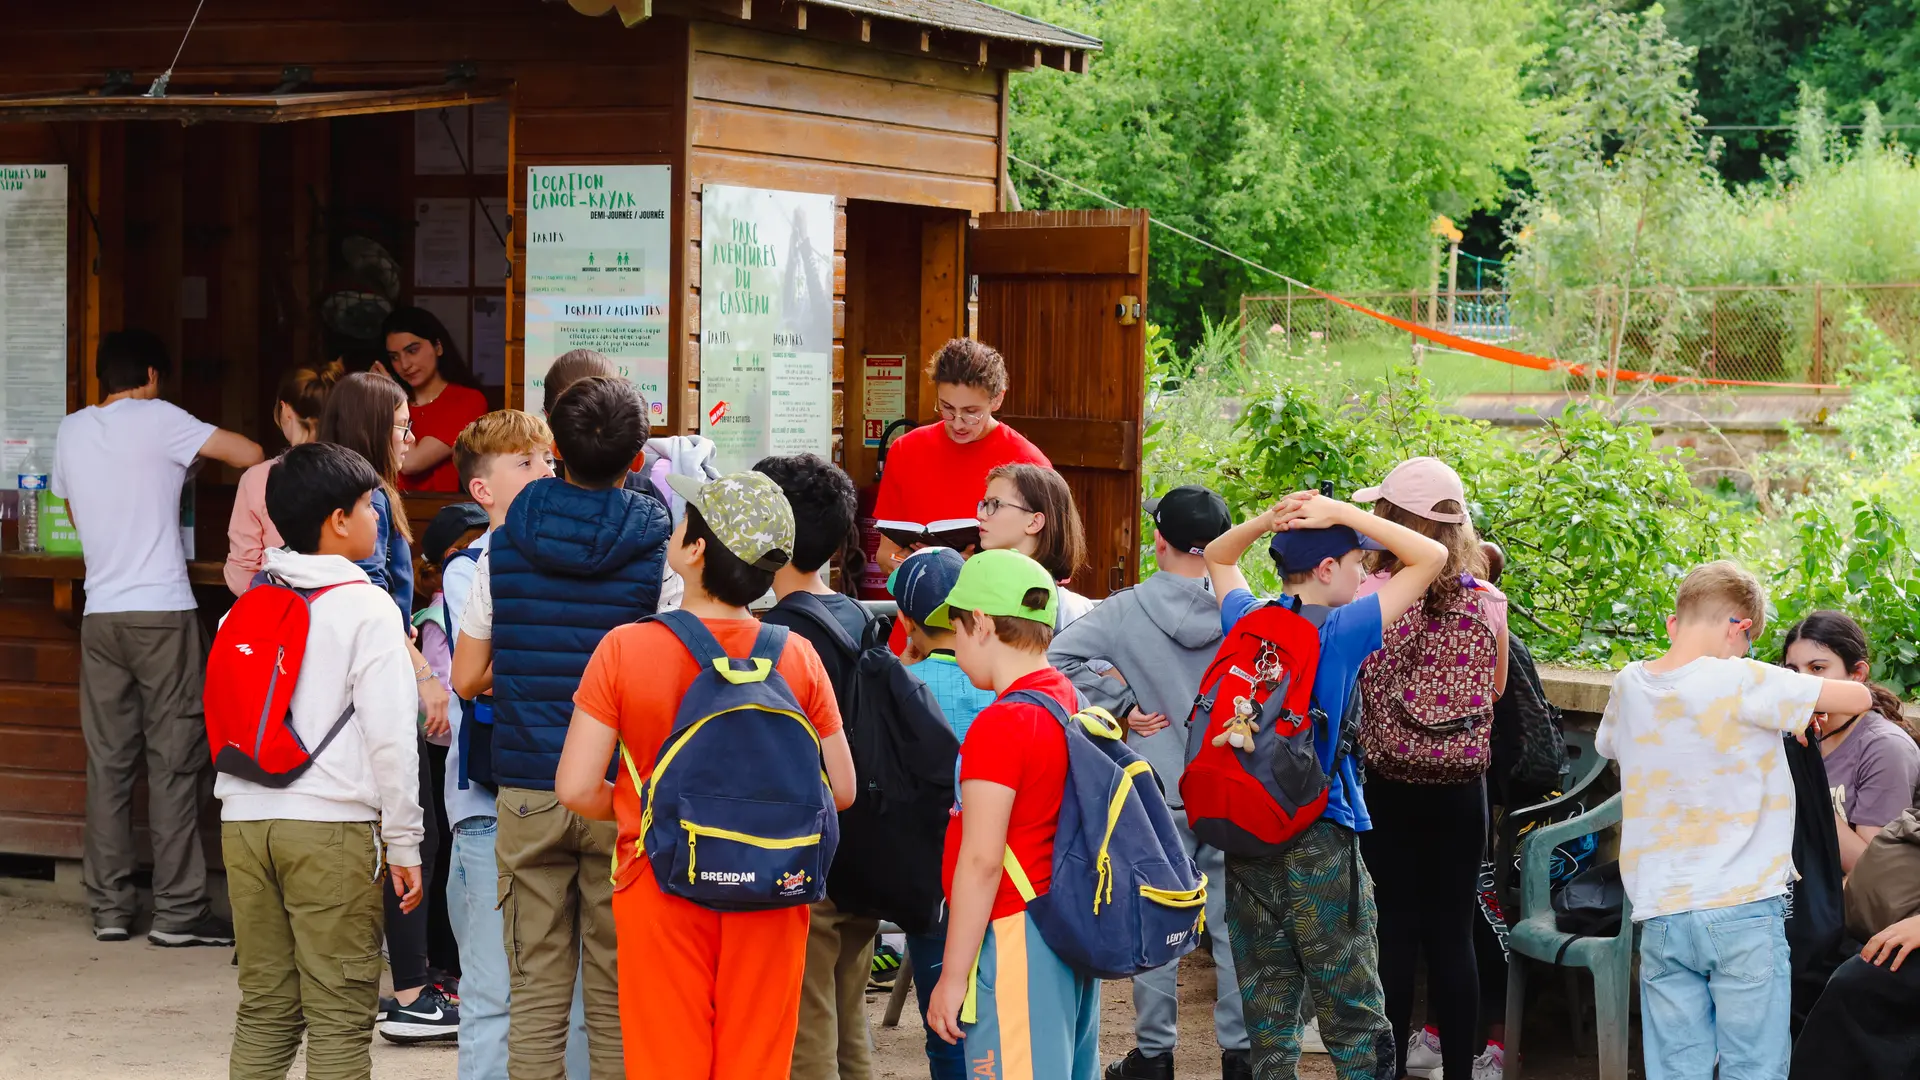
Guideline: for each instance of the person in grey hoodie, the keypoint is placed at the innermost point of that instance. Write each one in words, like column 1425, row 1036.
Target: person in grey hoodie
column 1140, row 654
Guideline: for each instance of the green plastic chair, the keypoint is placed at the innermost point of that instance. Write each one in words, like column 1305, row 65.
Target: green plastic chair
column 1534, row 935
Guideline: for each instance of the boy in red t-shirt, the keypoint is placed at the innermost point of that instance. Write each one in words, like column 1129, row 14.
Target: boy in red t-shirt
column 1023, row 1012
column 703, row 994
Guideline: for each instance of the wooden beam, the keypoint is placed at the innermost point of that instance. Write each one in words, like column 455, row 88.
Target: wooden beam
column 1063, row 60
column 866, row 30
column 799, row 16
column 1086, row 60
column 926, row 41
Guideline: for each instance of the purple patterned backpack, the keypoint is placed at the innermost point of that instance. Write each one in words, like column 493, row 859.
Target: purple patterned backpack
column 1427, row 696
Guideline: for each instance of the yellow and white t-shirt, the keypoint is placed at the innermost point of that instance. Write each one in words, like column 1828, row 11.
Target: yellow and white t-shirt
column 1707, row 816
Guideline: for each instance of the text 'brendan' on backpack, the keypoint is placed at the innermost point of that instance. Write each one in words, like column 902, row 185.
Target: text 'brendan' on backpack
column 737, row 814
column 252, row 670
column 1427, row 695
column 1125, row 898
column 888, row 863
column 1253, row 780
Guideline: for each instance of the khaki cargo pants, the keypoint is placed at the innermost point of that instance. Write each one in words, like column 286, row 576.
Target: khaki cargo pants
column 556, row 907
column 833, row 1042
column 307, row 922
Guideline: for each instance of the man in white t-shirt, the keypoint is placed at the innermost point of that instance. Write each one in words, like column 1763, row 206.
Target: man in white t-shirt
column 120, row 466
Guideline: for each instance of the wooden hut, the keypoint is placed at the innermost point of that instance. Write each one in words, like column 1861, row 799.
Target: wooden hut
column 304, row 162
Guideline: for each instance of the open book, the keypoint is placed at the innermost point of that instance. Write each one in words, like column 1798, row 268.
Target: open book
column 959, row 534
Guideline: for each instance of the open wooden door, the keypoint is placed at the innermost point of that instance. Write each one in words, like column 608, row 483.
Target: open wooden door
column 1063, row 297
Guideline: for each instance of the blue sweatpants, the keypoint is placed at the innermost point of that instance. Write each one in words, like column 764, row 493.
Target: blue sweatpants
column 1028, row 1015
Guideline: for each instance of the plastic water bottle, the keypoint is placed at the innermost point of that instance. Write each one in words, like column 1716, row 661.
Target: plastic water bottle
column 33, row 493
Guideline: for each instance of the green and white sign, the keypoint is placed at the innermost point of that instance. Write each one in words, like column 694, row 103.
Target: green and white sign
column 766, row 323
column 599, row 244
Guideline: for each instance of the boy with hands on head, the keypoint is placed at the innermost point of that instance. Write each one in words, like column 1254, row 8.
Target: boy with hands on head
column 1303, row 922
column 1706, row 833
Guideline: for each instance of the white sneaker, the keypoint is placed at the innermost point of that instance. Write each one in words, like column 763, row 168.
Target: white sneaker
column 1491, row 1063
column 1423, row 1055
column 1310, row 1042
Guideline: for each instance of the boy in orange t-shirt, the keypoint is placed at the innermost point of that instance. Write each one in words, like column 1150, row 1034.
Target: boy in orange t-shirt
column 704, row 995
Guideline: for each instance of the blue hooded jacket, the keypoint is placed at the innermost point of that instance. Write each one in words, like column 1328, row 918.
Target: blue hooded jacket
column 569, row 565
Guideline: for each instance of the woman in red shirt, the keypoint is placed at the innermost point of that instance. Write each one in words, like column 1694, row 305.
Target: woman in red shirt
column 443, row 394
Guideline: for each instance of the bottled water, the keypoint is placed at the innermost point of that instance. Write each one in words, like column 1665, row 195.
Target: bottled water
column 33, row 493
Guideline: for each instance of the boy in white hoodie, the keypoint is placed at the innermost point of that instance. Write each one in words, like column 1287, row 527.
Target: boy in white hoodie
column 304, row 862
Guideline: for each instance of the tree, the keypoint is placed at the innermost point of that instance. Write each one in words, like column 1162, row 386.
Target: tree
column 1618, row 160
column 1318, row 137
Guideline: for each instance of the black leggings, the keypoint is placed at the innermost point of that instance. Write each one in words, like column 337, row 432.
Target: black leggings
column 407, row 931
column 1423, row 853
column 1862, row 1027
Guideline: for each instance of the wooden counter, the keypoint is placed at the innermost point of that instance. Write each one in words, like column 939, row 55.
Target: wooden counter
column 65, row 571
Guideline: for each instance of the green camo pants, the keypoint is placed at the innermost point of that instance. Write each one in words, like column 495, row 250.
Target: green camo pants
column 1287, row 917
column 306, row 924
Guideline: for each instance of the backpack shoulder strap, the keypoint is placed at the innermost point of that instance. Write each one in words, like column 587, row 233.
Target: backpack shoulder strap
column 770, row 642
column 693, row 634
column 814, row 610
column 1045, row 701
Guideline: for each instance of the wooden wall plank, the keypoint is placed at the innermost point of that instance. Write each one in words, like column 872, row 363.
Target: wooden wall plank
column 1109, row 249
column 777, row 132
column 827, row 93
column 852, row 181
column 605, row 133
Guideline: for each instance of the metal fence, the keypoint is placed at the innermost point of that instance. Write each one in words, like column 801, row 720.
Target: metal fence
column 1762, row 333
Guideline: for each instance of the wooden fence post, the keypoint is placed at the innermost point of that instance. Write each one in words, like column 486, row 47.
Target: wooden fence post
column 1819, row 336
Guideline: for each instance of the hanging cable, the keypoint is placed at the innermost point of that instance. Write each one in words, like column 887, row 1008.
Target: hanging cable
column 159, row 87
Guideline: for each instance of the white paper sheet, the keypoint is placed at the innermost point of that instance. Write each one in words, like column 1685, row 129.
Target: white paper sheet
column 442, row 238
column 490, row 124
column 33, row 313
column 436, row 151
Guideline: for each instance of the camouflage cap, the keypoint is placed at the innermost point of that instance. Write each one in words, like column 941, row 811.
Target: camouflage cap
column 747, row 512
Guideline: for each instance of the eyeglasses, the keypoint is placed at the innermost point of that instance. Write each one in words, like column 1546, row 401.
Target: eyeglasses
column 406, row 428
column 991, row 505
column 1746, row 630
column 972, row 414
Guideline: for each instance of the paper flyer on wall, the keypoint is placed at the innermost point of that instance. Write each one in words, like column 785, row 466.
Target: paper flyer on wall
column 33, row 313
column 599, row 243
column 766, row 323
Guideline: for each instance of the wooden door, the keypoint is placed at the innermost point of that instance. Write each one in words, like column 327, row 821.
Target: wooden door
column 1063, row 297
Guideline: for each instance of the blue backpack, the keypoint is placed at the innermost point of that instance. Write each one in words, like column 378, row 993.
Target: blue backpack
column 737, row 814
column 1126, row 897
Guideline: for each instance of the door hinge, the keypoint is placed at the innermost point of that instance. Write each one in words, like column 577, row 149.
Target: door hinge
column 1127, row 310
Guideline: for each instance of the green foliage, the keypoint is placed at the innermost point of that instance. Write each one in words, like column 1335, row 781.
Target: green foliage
column 1318, row 137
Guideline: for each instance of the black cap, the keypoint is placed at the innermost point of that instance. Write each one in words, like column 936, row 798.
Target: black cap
column 448, row 526
column 1190, row 517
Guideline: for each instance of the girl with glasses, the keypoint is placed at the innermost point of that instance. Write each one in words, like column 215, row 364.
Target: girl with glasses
column 1029, row 509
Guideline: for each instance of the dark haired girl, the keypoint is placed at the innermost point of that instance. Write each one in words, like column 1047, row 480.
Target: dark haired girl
column 441, row 390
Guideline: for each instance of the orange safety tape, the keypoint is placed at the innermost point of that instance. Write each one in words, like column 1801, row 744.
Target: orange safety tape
column 1542, row 363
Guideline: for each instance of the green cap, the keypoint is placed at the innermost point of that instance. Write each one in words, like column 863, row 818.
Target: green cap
column 997, row 582
column 747, row 512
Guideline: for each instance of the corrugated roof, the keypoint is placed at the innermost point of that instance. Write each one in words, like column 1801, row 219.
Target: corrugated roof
column 972, row 17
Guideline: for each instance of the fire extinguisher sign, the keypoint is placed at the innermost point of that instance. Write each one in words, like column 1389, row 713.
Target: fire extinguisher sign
column 717, row 413
column 884, row 396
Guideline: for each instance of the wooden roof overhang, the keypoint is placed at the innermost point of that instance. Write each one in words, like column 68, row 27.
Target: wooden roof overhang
column 963, row 31
column 277, row 106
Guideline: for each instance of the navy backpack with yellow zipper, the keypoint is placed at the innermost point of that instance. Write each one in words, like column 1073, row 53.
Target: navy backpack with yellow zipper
column 737, row 814
column 1125, row 897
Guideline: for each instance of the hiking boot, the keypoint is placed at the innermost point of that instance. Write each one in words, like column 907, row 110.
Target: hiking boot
column 1236, row 1065
column 431, row 1018
column 885, row 969
column 210, row 930
column 1139, row 1066
column 110, row 933
column 1423, row 1055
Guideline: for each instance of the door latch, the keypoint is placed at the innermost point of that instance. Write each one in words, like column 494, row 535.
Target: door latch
column 1127, row 310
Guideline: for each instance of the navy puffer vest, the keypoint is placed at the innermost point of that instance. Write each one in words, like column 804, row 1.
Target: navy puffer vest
column 569, row 565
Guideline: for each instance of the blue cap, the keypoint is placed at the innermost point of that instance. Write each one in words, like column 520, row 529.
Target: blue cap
column 923, row 579
column 1299, row 550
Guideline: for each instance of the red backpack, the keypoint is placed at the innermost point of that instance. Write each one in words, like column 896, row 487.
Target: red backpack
column 251, row 675
column 1255, row 797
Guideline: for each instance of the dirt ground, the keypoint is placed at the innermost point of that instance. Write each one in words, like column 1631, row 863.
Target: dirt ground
column 76, row 1009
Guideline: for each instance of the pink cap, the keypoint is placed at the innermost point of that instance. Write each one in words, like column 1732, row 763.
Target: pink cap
column 1415, row 485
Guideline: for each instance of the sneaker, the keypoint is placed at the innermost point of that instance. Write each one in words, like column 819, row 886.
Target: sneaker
column 886, row 967
column 387, row 1005
column 1139, row 1066
column 1310, row 1041
column 431, row 1018
column 1491, row 1064
column 1423, row 1055
column 1236, row 1065
column 110, row 933
column 211, row 930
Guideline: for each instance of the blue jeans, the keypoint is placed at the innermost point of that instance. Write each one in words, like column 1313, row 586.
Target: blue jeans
column 944, row 1061
column 473, row 907
column 1716, row 983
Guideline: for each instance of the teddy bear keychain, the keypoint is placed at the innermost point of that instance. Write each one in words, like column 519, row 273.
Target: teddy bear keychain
column 1239, row 730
